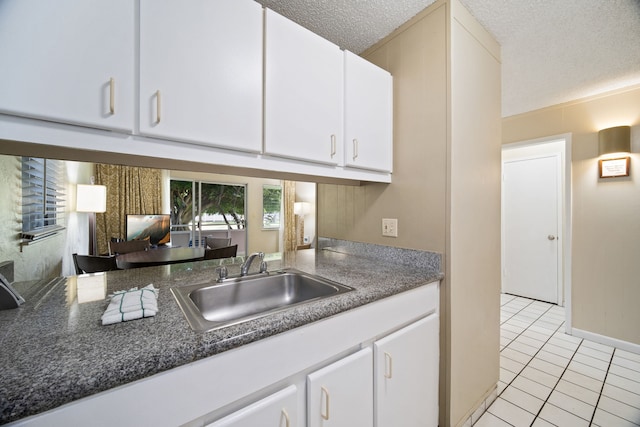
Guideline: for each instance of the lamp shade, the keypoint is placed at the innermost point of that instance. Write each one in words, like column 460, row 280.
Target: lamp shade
column 614, row 140
column 91, row 198
column 301, row 208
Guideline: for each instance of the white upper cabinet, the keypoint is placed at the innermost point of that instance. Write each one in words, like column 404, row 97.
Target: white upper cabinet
column 68, row 61
column 368, row 123
column 303, row 93
column 201, row 72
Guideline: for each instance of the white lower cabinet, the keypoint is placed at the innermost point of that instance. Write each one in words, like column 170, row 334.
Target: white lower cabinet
column 341, row 394
column 406, row 376
column 276, row 410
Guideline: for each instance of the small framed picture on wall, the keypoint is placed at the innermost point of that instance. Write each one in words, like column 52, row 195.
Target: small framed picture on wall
column 613, row 168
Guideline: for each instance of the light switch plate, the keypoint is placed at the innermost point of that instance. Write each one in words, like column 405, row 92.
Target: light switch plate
column 390, row 227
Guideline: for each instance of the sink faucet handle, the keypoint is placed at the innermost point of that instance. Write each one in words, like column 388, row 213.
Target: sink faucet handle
column 222, row 273
column 263, row 267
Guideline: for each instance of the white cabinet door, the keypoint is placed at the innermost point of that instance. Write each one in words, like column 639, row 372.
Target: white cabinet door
column 368, row 115
column 406, row 376
column 277, row 410
column 341, row 394
column 303, row 93
column 201, row 72
column 68, row 61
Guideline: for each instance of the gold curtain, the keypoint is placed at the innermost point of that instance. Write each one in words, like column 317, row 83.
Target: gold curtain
column 289, row 198
column 130, row 190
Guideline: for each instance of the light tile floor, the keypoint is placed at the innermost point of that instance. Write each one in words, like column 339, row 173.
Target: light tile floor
column 548, row 378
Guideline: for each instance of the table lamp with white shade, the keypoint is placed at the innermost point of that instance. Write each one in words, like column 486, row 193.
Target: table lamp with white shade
column 92, row 199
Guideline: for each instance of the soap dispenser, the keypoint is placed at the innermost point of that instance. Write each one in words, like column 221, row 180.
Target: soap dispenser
column 9, row 297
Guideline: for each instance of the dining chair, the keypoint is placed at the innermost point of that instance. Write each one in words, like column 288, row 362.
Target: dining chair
column 94, row 264
column 217, row 242
column 128, row 246
column 217, row 253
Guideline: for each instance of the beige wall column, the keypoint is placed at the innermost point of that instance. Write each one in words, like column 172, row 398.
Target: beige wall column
column 445, row 190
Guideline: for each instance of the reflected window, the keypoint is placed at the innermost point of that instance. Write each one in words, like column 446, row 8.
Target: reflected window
column 42, row 197
column 208, row 206
column 271, row 206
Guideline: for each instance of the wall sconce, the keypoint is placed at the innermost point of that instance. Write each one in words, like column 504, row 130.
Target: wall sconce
column 612, row 144
column 91, row 199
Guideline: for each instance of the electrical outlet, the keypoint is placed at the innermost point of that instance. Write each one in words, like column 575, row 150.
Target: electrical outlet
column 390, row 227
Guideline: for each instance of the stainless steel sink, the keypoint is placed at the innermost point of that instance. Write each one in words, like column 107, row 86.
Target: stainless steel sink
column 209, row 306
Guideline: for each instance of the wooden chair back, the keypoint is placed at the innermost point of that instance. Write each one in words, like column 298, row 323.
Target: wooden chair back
column 217, row 242
column 94, row 264
column 217, row 253
column 128, row 246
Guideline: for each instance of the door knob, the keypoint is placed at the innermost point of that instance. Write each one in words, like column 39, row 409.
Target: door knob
column 551, row 237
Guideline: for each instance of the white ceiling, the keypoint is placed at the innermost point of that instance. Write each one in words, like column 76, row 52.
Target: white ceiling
column 553, row 51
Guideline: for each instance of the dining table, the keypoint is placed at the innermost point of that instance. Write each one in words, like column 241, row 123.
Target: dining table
column 159, row 256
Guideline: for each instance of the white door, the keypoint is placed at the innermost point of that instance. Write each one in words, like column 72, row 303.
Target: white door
column 531, row 226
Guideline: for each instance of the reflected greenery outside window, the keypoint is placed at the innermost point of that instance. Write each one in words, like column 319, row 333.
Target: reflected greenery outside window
column 271, row 205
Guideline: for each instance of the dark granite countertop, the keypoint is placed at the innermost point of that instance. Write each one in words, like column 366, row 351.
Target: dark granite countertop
column 54, row 349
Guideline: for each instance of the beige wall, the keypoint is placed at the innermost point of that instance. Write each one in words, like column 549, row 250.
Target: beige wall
column 473, row 229
column 445, row 190
column 416, row 57
column 51, row 257
column 606, row 213
column 258, row 239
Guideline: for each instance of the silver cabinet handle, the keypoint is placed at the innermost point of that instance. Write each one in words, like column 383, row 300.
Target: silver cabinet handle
column 325, row 414
column 158, row 106
column 284, row 416
column 355, row 149
column 551, row 237
column 333, row 146
column 388, row 366
column 112, row 95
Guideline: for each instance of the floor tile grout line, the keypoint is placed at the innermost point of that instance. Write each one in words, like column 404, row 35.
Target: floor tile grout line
column 555, row 331
column 618, row 416
column 530, row 359
column 514, row 314
column 627, row 368
column 533, row 357
column 531, row 323
column 604, row 381
column 556, row 385
column 625, row 390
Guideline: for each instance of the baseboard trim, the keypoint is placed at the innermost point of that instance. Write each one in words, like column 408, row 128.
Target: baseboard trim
column 603, row 339
column 486, row 401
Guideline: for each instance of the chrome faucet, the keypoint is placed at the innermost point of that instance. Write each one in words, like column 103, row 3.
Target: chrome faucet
column 244, row 268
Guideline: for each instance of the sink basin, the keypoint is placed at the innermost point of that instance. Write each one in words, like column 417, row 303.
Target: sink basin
column 209, row 306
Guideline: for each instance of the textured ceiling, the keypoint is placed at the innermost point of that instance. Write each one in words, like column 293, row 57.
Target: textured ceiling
column 553, row 51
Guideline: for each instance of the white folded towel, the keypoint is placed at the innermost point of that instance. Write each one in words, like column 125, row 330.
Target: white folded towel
column 131, row 304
